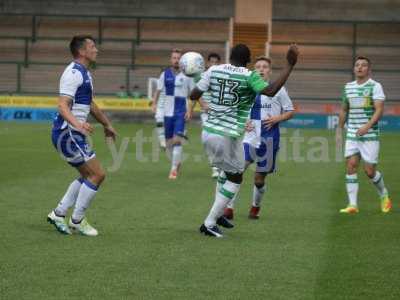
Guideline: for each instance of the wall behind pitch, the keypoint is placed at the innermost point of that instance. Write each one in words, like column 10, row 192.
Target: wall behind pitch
column 344, row 10
column 164, row 8
column 253, row 11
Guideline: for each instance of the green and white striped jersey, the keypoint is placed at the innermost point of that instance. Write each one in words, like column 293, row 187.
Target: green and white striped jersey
column 232, row 93
column 206, row 95
column 360, row 99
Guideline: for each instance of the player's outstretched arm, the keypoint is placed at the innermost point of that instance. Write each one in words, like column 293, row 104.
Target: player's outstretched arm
column 64, row 108
column 291, row 57
column 99, row 115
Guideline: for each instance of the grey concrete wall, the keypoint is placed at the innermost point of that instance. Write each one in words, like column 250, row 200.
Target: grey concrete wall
column 346, row 10
column 164, row 8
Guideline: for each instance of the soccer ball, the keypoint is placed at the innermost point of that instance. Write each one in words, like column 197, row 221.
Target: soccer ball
column 191, row 64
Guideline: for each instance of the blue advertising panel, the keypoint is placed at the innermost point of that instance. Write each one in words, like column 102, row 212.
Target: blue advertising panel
column 27, row 114
column 331, row 121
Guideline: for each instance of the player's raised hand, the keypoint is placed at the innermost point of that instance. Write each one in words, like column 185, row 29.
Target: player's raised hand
column 110, row 132
column 292, row 54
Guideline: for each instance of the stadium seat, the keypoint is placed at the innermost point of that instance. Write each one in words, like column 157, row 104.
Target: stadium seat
column 12, row 50
column 8, row 77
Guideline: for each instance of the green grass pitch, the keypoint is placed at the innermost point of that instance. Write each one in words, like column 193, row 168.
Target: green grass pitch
column 149, row 246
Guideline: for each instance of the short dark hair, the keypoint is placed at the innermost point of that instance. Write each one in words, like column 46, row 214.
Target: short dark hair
column 176, row 50
column 215, row 55
column 241, row 54
column 78, row 42
column 361, row 57
column 263, row 58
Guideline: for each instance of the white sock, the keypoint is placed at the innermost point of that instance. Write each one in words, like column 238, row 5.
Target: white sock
column 69, row 197
column 231, row 203
column 169, row 149
column 379, row 184
column 176, row 156
column 227, row 191
column 352, row 188
column 86, row 194
column 220, row 181
column 161, row 136
column 257, row 195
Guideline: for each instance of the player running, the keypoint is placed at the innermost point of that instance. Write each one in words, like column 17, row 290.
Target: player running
column 70, row 129
column 261, row 139
column 362, row 108
column 176, row 87
column 233, row 88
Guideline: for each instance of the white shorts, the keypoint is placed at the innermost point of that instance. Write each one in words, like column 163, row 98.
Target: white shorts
column 204, row 117
column 160, row 112
column 225, row 153
column 369, row 150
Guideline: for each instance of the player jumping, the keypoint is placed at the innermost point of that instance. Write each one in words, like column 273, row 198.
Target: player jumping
column 362, row 108
column 70, row 129
column 233, row 88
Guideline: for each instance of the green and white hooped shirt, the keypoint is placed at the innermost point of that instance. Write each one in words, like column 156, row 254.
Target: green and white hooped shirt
column 232, row 91
column 360, row 99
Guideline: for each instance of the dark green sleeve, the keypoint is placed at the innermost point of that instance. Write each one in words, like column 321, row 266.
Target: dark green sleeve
column 256, row 83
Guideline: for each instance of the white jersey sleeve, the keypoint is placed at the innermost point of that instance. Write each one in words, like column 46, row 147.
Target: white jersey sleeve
column 378, row 93
column 160, row 82
column 204, row 83
column 285, row 101
column 70, row 80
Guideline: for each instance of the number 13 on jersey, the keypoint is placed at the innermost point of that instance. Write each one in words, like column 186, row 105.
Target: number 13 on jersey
column 228, row 92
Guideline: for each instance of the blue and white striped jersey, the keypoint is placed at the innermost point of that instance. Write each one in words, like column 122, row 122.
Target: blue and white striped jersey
column 176, row 88
column 263, row 108
column 75, row 83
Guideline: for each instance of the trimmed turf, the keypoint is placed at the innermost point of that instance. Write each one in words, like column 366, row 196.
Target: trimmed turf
column 149, row 246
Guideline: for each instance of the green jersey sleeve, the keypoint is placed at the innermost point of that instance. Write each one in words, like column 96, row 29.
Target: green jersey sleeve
column 256, row 83
column 197, row 78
